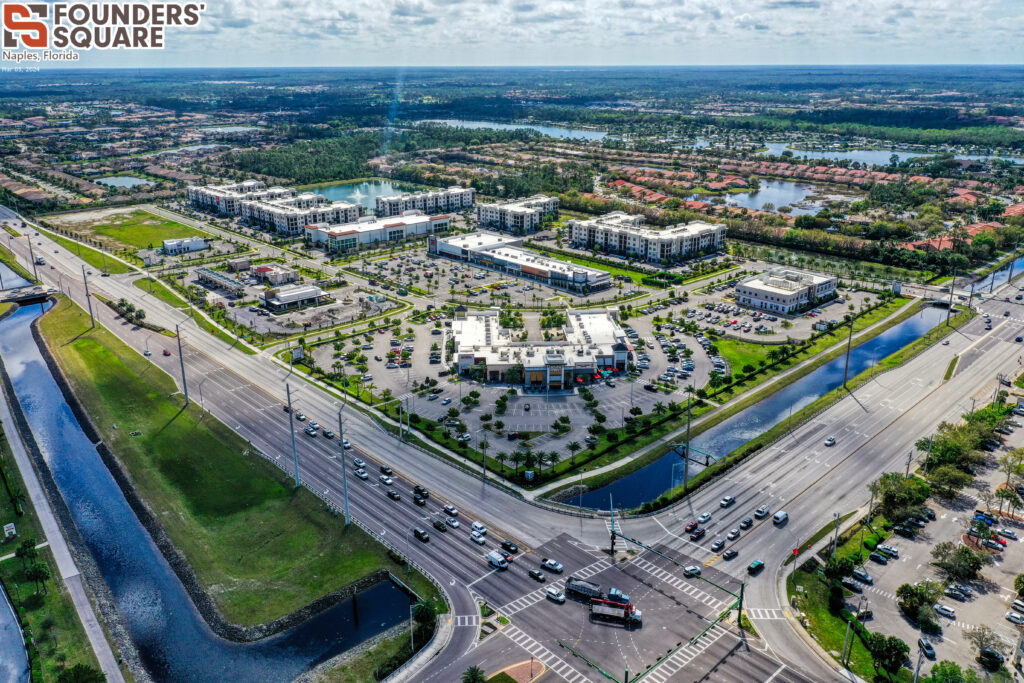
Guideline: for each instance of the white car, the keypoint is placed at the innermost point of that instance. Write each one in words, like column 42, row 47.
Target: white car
column 830, row 441
column 451, row 510
column 386, row 480
column 361, row 473
column 358, row 462
column 555, row 595
column 705, row 518
column 1007, row 533
column 479, row 528
column 477, row 538
column 345, row 444
column 452, row 522
column 733, row 534
column 691, row 570
column 727, row 501
column 1015, row 617
column 944, row 610
column 552, row 565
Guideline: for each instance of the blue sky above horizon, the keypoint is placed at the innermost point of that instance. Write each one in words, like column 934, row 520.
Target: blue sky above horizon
column 267, row 33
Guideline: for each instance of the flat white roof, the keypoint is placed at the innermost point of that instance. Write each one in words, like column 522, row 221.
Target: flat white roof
column 370, row 223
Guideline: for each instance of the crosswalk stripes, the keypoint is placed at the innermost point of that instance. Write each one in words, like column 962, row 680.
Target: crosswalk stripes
column 759, row 613
column 677, row 583
column 550, row 659
column 879, row 591
column 519, row 604
column 467, row 620
column 683, row 656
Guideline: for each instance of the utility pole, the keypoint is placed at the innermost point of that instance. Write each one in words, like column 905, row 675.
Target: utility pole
column 291, row 428
column 849, row 345
column 910, row 456
column 952, row 286
column 835, row 539
column 88, row 298
column 917, row 669
column 32, row 257
column 970, row 299
column 344, row 465
column 181, row 359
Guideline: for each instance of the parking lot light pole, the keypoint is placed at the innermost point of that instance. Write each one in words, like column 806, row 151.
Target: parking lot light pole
column 344, row 465
column 291, row 428
column 917, row 669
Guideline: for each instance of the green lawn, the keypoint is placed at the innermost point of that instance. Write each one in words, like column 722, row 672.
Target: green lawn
column 143, row 230
column 365, row 666
column 160, row 291
column 96, row 259
column 7, row 257
column 51, row 618
column 261, row 548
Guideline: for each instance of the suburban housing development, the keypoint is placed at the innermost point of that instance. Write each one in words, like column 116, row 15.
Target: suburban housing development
column 593, row 344
column 785, row 291
column 431, row 201
column 626, row 234
column 517, row 215
column 503, row 254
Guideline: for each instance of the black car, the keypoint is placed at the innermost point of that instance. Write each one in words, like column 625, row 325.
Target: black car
column 386, row 470
column 904, row 531
column 698, row 533
column 879, row 558
column 851, row 585
column 990, row 659
column 510, row 546
column 440, row 526
column 394, row 495
column 730, row 553
column 421, row 491
column 421, row 534
column 746, row 523
column 929, row 513
column 538, row 575
column 926, row 648
column 419, row 500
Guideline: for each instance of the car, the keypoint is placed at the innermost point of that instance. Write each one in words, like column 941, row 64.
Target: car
column 451, row 510
column 419, row 500
column 386, row 470
column 904, row 531
column 166, row 352
column 861, row 575
column 879, row 558
column 990, row 659
column 328, row 434
column 990, row 543
column 1007, row 533
column 830, row 441
column 345, row 444
column 888, row 550
column 952, row 592
column 851, row 585
column 929, row 514
column 726, row 501
column 1006, row 314
column 147, row 353
column 421, row 534
column 421, row 491
column 509, row 546
column 537, row 575
column 361, row 473
column 718, row 544
column 691, row 570
column 452, row 522
column 555, row 595
column 944, row 610
column 733, row 534
column 746, row 523
column 394, row 495
column 762, row 512
column 730, row 553
column 509, row 557
column 479, row 528
column 310, row 431
column 358, row 462
column 440, row 526
column 704, row 518
column 698, row 534
column 1015, row 617
column 926, row 648
column 300, row 416
column 551, row 565
column 432, row 397
column 691, row 526
column 314, row 424
column 1019, row 339
column 477, row 538
column 386, row 480
column 1000, row 541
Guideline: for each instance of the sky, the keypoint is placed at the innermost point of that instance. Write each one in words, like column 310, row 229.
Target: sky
column 588, row 32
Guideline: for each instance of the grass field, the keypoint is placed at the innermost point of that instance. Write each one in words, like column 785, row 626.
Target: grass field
column 261, row 548
column 51, row 617
column 138, row 229
column 160, row 291
column 7, row 257
column 94, row 258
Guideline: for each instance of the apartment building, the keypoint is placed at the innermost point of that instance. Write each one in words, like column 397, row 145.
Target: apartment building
column 227, row 199
column 626, row 234
column 594, row 346
column 785, row 291
column 503, row 254
column 288, row 216
column 433, row 201
column 371, row 230
column 518, row 216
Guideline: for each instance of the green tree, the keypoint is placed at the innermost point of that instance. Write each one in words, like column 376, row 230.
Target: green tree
column 959, row 562
column 947, row 671
column 424, row 613
column 574, row 447
column 26, row 550
column 838, row 567
column 887, row 652
column 1018, row 584
column 948, row 480
column 473, row 674
column 39, row 574
column 81, row 673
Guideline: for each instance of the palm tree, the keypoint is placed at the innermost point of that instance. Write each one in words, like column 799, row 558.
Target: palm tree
column 38, row 574
column 26, row 550
column 473, row 674
column 659, row 408
column 18, row 497
column 517, row 459
column 573, row 447
column 549, row 459
column 501, row 457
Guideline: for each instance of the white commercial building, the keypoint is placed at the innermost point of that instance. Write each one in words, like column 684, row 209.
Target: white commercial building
column 290, row 215
column 503, row 254
column 785, row 291
column 275, row 275
column 593, row 347
column 292, row 296
column 184, row 245
column 626, row 234
column 375, row 230
column 518, row 215
column 431, row 201
column 229, row 198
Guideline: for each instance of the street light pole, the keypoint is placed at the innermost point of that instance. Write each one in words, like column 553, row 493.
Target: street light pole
column 952, row 286
column 917, row 669
column 181, row 360
column 344, row 465
column 849, row 344
column 835, row 539
column 88, row 299
column 291, row 428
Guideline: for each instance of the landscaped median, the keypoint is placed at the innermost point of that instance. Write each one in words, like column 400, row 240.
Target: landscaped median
column 259, row 548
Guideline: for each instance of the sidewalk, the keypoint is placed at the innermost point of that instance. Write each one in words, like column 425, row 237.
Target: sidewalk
column 58, row 546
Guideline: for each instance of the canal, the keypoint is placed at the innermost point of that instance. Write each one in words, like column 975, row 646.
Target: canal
column 173, row 641
column 649, row 482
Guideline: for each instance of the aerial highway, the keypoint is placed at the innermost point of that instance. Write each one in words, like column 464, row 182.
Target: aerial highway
column 875, row 429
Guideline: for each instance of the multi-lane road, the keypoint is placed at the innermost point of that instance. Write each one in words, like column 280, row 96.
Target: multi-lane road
column 875, row 430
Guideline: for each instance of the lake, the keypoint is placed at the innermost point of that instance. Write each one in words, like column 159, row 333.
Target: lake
column 123, row 181
column 364, row 193
column 229, row 129
column 873, row 156
column 777, row 192
column 550, row 131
